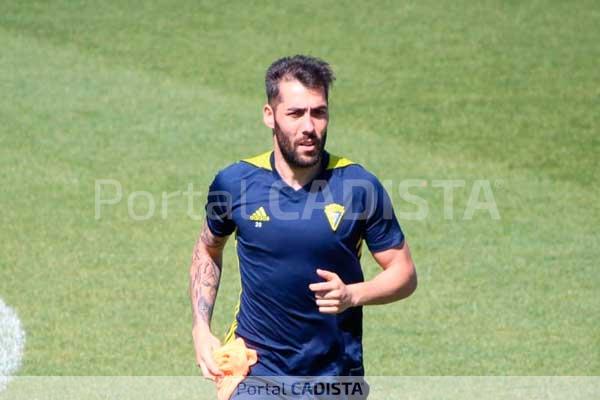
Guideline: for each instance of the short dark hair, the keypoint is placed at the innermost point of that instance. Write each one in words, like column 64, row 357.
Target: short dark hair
column 312, row 72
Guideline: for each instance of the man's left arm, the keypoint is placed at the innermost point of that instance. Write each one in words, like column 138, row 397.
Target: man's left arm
column 398, row 280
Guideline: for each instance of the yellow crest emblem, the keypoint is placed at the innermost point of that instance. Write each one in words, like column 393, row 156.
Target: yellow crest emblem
column 334, row 213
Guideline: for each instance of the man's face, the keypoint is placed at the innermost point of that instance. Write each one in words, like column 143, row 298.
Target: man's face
column 300, row 121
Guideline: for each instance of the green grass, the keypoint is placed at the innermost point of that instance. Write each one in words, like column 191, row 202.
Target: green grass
column 160, row 95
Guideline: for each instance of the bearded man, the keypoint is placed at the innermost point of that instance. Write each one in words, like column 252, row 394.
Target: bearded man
column 300, row 217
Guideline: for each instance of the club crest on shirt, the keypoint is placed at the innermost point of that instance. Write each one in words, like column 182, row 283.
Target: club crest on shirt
column 334, row 213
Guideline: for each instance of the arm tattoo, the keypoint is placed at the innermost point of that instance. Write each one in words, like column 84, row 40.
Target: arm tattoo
column 205, row 276
column 211, row 240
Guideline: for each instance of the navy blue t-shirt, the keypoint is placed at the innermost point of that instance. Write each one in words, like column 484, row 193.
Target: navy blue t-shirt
column 282, row 236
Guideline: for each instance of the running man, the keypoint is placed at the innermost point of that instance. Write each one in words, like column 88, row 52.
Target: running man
column 300, row 216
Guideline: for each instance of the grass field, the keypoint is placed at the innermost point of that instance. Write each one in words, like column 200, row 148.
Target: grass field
column 160, row 95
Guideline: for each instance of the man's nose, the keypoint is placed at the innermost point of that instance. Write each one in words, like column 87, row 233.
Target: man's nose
column 307, row 124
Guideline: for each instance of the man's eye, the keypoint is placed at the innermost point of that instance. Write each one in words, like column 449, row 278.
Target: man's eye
column 296, row 114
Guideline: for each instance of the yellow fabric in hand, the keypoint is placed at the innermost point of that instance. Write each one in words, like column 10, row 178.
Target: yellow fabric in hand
column 234, row 360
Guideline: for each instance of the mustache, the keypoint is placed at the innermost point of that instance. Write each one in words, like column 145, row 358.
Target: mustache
column 309, row 141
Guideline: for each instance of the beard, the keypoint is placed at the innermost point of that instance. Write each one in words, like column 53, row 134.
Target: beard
column 290, row 153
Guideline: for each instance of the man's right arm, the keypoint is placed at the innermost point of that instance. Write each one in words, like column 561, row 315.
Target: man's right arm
column 205, row 275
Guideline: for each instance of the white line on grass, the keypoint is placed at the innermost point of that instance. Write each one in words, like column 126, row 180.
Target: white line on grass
column 12, row 342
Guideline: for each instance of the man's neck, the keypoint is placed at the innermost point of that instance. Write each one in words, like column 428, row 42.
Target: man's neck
column 295, row 177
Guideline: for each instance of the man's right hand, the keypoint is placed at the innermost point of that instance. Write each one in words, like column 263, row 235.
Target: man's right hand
column 204, row 344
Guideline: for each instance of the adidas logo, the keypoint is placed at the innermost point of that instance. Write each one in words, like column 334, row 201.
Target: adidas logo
column 259, row 215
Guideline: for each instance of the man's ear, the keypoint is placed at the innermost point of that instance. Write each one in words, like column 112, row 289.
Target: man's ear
column 269, row 116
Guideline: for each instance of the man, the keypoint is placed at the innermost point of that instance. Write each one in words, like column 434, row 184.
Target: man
column 300, row 216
